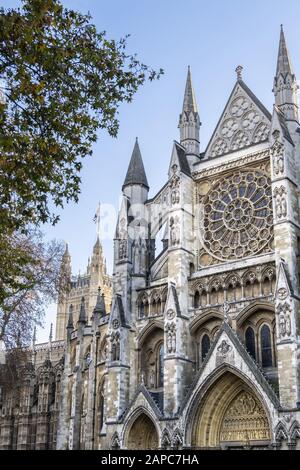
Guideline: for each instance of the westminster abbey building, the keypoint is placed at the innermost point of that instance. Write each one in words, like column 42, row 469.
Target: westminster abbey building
column 194, row 342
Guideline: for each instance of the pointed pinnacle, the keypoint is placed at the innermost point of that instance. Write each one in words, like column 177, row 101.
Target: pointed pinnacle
column 70, row 324
column 100, row 305
column 284, row 64
column 189, row 101
column 136, row 172
column 82, row 315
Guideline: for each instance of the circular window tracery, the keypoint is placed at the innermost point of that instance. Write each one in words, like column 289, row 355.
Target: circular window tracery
column 238, row 215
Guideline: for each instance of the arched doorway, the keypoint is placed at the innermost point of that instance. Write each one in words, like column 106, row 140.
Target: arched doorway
column 142, row 434
column 230, row 414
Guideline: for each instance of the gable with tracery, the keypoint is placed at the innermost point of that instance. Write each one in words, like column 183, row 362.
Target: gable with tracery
column 244, row 122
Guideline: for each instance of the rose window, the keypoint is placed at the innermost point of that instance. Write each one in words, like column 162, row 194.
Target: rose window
column 238, row 217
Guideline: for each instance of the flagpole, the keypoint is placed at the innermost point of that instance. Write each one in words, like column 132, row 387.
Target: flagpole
column 98, row 220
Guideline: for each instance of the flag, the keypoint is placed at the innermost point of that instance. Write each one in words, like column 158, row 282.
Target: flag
column 97, row 214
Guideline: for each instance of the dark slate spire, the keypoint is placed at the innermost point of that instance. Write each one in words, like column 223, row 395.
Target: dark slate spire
column 70, row 325
column 284, row 64
column 189, row 101
column 100, row 309
column 82, row 315
column 136, row 171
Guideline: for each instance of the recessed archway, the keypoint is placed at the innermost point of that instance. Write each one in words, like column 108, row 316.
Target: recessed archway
column 142, row 434
column 230, row 414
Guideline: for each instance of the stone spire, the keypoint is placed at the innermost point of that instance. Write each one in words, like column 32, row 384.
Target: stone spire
column 82, row 314
column 65, row 269
column 284, row 64
column 100, row 309
column 189, row 101
column 70, row 325
column 285, row 83
column 66, row 256
column 189, row 121
column 49, row 349
column 136, row 174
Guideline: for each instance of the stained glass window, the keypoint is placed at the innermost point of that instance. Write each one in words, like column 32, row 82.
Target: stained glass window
column 250, row 342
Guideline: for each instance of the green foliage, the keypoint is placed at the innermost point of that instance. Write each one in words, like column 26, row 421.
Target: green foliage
column 63, row 81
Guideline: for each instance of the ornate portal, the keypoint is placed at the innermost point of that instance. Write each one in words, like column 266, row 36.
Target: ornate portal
column 245, row 420
column 238, row 215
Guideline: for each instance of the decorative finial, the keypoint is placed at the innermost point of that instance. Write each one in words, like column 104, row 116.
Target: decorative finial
column 239, row 71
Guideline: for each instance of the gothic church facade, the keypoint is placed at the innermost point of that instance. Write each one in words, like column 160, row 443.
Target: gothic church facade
column 200, row 347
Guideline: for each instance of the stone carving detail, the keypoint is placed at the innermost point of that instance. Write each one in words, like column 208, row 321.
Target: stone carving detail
column 171, row 338
column 282, row 293
column 281, row 433
column 174, row 231
column 224, row 349
column 251, row 120
column 278, row 158
column 294, row 434
column 122, row 249
column 240, row 140
column 175, row 190
column 284, row 321
column 261, row 133
column 115, row 324
column 280, row 202
column 115, row 441
column 249, row 159
column 220, row 148
column 170, row 314
column 115, row 346
column 239, row 106
column 238, row 219
column 165, row 439
column 229, row 128
column 245, row 420
column 177, row 440
column 226, row 308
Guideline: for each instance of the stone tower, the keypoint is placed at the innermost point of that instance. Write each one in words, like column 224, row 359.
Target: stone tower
column 83, row 285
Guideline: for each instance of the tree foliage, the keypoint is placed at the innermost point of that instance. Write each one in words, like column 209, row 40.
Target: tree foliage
column 63, row 81
column 23, row 296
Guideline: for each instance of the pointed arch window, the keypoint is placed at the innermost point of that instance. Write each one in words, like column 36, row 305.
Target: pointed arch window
column 266, row 346
column 205, row 347
column 250, row 342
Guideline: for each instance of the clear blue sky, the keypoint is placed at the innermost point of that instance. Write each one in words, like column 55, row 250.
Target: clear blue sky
column 213, row 37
